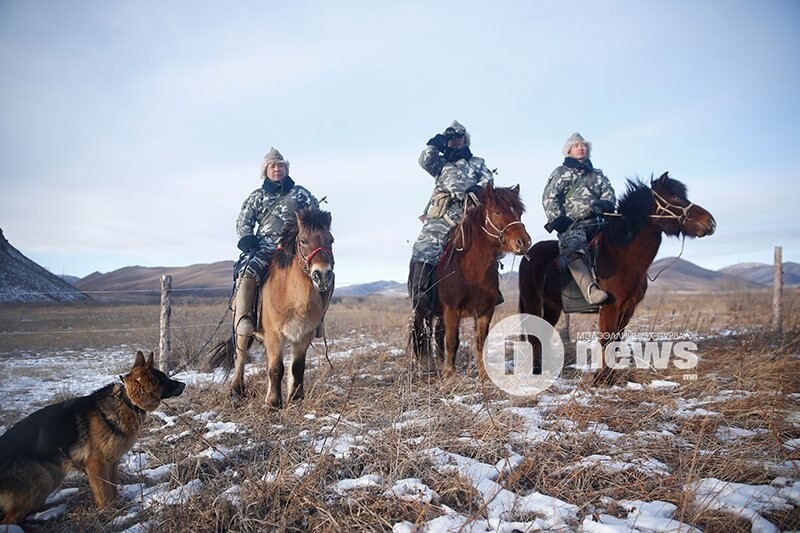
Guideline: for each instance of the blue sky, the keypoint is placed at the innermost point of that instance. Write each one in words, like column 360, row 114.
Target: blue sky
column 132, row 131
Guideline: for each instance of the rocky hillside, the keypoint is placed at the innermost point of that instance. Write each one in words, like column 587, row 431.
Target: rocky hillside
column 22, row 280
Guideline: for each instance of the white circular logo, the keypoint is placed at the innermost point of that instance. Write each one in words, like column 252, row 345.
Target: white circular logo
column 508, row 355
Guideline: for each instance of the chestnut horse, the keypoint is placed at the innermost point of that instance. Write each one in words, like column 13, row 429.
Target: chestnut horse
column 466, row 282
column 628, row 243
column 292, row 303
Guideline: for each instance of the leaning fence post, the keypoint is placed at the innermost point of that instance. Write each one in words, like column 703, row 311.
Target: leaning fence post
column 166, row 311
column 777, row 291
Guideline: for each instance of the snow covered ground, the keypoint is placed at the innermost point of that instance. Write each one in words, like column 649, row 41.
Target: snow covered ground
column 637, row 438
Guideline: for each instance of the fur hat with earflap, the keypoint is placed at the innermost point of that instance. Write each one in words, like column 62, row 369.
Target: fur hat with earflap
column 574, row 139
column 273, row 156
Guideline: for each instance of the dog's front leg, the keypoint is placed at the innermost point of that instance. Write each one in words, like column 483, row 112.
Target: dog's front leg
column 102, row 480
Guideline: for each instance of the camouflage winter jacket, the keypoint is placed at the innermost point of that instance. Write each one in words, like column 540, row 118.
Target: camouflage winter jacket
column 571, row 189
column 270, row 209
column 454, row 177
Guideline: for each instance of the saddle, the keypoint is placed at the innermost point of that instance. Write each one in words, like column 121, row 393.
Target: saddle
column 572, row 300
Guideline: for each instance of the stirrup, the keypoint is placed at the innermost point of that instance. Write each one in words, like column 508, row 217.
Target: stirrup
column 596, row 287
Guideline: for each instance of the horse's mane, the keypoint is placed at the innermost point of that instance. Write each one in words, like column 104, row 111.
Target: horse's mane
column 635, row 206
column 506, row 198
column 313, row 220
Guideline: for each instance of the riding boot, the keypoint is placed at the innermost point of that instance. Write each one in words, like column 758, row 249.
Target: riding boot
column 420, row 286
column 592, row 293
column 243, row 314
column 499, row 298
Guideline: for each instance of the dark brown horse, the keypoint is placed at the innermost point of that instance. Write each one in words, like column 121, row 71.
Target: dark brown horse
column 467, row 283
column 628, row 243
column 293, row 302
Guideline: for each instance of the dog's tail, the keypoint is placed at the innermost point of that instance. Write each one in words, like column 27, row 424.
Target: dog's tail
column 222, row 355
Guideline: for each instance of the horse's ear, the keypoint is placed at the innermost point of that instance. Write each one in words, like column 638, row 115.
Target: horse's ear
column 515, row 188
column 139, row 359
column 664, row 177
column 326, row 219
column 297, row 218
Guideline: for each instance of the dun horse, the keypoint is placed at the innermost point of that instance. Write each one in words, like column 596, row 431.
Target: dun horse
column 467, row 283
column 627, row 246
column 292, row 304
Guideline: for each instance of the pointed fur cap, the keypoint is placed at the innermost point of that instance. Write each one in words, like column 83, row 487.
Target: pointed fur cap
column 272, row 156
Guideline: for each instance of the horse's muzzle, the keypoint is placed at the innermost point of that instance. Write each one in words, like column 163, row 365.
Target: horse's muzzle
column 322, row 279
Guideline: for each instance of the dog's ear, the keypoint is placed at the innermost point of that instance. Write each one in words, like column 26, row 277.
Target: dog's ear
column 139, row 359
column 150, row 361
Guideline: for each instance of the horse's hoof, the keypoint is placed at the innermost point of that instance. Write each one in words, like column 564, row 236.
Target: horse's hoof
column 274, row 405
column 237, row 396
column 448, row 372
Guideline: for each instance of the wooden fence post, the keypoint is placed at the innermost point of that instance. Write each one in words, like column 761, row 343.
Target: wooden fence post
column 777, row 291
column 166, row 311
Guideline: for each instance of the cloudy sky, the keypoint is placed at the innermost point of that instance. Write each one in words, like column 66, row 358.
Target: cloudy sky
column 132, row 131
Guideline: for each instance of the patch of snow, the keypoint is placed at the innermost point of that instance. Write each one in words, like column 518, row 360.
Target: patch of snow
column 732, row 434
column 61, row 495
column 660, row 384
column 215, row 429
column 741, row 500
column 412, row 490
column 369, row 480
column 49, row 514
column 155, row 474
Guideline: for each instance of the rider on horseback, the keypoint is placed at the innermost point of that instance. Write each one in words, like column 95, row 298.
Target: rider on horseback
column 268, row 207
column 574, row 199
column 457, row 173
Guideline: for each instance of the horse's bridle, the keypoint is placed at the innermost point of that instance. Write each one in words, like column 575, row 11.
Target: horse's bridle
column 305, row 260
column 663, row 205
column 501, row 233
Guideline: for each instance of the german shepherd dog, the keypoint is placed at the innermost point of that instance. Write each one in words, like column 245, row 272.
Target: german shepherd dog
column 89, row 433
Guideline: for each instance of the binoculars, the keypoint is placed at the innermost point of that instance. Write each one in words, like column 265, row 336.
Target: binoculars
column 452, row 133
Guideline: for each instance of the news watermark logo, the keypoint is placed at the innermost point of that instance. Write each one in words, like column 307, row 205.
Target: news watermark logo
column 510, row 361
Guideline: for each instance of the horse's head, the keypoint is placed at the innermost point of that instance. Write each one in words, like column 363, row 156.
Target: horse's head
column 502, row 210
column 314, row 246
column 675, row 214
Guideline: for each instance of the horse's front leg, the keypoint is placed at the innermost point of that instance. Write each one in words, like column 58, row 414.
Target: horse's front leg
column 609, row 324
column 451, row 321
column 299, row 350
column 237, row 387
column 482, row 323
column 273, row 345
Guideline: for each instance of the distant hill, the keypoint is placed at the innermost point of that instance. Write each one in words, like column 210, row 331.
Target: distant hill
column 215, row 279
column 22, row 280
column 385, row 288
column 763, row 273
column 207, row 279
column 682, row 275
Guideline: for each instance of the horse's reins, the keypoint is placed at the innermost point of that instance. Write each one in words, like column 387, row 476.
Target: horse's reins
column 682, row 215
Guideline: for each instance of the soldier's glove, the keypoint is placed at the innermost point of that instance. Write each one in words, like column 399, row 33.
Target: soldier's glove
column 439, row 204
column 561, row 223
column 602, row 206
column 439, row 142
column 247, row 243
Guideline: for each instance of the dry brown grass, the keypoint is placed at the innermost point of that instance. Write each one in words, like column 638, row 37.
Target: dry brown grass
column 378, row 386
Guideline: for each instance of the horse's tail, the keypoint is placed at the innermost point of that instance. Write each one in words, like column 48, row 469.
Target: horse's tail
column 222, row 355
